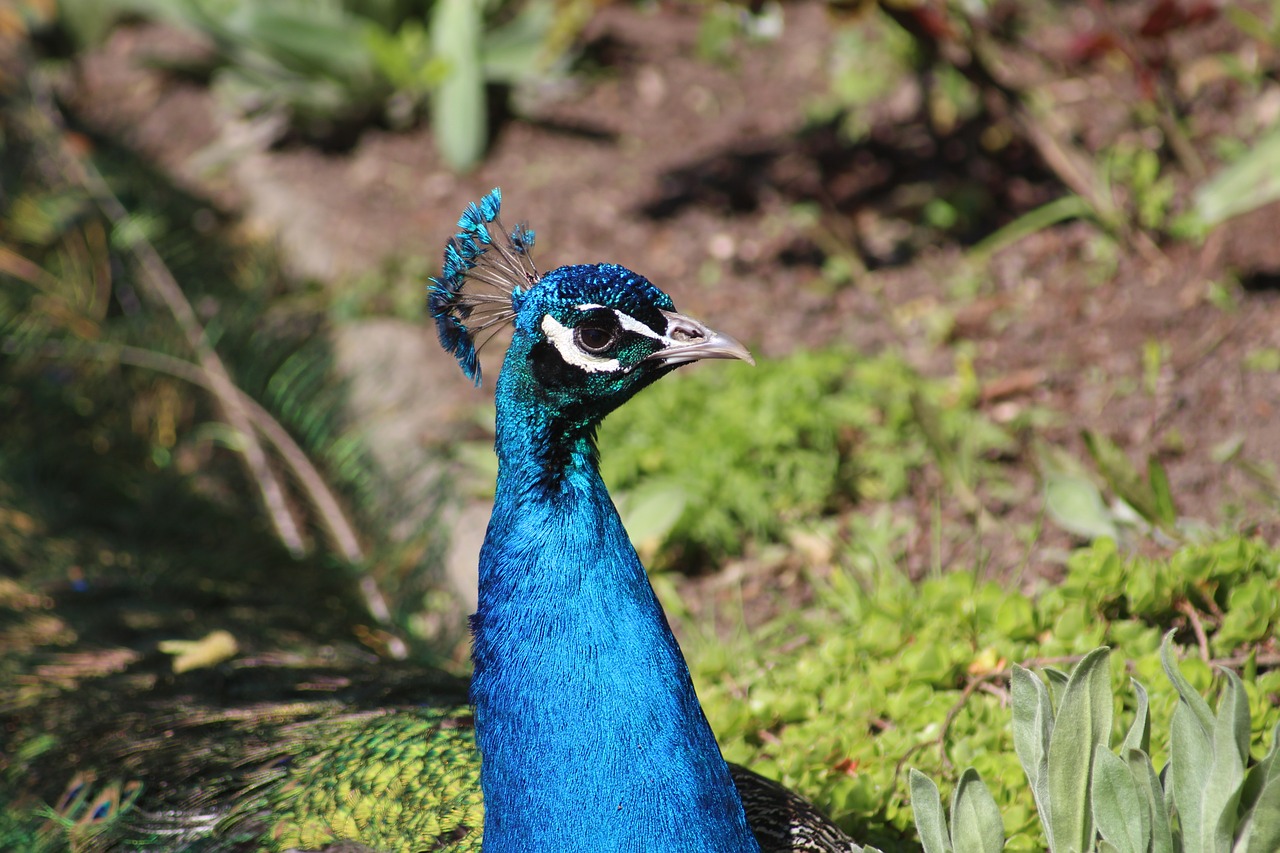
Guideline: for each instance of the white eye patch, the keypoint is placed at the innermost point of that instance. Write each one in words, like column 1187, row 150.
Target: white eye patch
column 561, row 337
column 626, row 321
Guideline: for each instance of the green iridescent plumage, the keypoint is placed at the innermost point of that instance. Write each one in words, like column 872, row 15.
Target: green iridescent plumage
column 306, row 776
column 269, row 777
column 396, row 781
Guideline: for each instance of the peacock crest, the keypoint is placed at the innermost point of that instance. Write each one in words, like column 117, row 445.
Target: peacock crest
column 481, row 281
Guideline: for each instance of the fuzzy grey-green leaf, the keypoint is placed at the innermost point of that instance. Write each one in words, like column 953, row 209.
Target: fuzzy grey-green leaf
column 1260, row 774
column 1193, row 700
column 1075, row 504
column 1232, row 724
column 926, row 806
column 1118, row 810
column 1057, row 681
column 1261, row 831
column 1139, row 734
column 1083, row 722
column 1152, row 793
column 1190, row 761
column 1032, row 727
column 1226, row 776
column 976, row 825
column 1247, row 184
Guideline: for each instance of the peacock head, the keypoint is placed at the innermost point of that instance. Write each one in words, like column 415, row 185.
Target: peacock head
column 585, row 337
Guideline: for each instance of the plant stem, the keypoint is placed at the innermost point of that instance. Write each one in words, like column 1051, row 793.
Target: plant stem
column 159, row 281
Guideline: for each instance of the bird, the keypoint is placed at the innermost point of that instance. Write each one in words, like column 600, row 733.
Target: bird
column 590, row 732
column 580, row 729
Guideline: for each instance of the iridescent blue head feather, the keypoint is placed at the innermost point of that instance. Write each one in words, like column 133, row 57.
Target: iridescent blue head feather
column 481, row 281
column 586, row 336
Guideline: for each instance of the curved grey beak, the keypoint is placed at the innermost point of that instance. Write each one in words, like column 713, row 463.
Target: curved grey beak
column 688, row 340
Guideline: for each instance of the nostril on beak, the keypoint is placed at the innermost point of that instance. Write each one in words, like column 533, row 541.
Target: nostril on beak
column 687, row 334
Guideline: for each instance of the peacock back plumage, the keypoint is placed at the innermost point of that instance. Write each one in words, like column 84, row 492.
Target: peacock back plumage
column 300, row 776
column 394, row 780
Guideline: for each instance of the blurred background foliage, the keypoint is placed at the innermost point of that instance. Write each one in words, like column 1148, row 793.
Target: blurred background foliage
column 323, row 70
column 96, row 326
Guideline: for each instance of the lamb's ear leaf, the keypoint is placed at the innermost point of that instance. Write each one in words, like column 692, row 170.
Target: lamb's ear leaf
column 926, row 805
column 1083, row 722
column 976, row 825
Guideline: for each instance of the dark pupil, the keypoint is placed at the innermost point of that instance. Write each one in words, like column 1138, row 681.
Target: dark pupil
column 596, row 335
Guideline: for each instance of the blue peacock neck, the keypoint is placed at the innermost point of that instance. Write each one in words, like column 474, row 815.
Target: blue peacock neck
column 590, row 733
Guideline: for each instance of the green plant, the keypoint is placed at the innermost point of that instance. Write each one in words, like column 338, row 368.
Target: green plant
column 1143, row 501
column 796, row 438
column 1230, row 584
column 867, row 61
column 1245, row 184
column 975, row 819
column 837, row 698
column 1209, row 797
column 1137, row 171
column 1262, row 360
column 724, row 26
column 327, row 69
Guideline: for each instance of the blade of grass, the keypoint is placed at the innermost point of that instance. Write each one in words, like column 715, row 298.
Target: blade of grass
column 1033, row 221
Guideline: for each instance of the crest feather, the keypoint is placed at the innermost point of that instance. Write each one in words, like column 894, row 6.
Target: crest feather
column 480, row 279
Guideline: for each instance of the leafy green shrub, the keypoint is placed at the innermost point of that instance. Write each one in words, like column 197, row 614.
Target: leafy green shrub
column 880, row 673
column 1207, row 798
column 1234, row 577
column 795, row 438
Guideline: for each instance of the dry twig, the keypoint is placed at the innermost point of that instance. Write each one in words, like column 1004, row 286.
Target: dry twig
column 243, row 414
column 1202, row 639
column 161, row 284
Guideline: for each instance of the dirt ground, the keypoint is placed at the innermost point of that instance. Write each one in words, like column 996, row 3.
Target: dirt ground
column 690, row 171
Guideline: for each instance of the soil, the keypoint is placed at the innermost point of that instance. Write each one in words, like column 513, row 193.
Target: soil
column 690, row 171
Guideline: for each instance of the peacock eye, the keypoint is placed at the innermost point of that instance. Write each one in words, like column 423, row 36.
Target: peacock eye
column 597, row 334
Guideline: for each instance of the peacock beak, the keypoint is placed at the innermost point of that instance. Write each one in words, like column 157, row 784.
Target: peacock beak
column 688, row 340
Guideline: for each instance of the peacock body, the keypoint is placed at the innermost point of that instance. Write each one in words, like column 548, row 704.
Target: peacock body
column 581, row 730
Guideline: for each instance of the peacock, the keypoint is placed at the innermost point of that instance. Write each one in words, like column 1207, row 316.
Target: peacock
column 580, row 729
